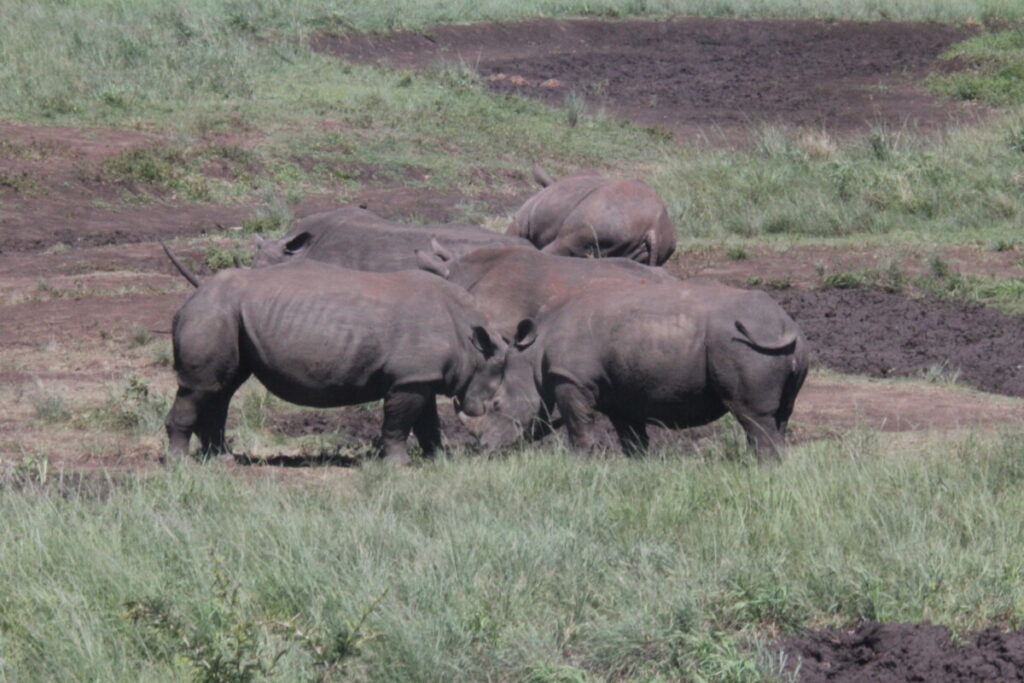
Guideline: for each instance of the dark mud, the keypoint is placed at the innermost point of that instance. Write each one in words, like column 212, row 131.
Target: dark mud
column 880, row 334
column 907, row 652
column 709, row 78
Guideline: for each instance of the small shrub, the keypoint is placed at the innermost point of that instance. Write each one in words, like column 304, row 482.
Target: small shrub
column 50, row 405
column 575, row 108
column 273, row 218
column 941, row 373
column 938, row 267
column 848, row 279
column 135, row 408
column 163, row 355
column 736, row 254
column 155, row 165
column 218, row 258
column 139, row 336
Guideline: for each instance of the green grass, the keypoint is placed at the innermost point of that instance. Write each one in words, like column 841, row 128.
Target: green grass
column 889, row 185
column 994, row 73
column 538, row 566
column 308, row 123
column 1005, row 294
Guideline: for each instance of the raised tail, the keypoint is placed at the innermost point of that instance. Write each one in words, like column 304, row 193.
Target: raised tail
column 776, row 347
column 542, row 177
column 181, row 268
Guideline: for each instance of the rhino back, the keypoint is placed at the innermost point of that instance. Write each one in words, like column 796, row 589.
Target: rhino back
column 638, row 340
column 512, row 284
column 541, row 217
column 321, row 335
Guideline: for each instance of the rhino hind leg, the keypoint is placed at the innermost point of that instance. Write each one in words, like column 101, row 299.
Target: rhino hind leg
column 403, row 408
column 766, row 434
column 203, row 413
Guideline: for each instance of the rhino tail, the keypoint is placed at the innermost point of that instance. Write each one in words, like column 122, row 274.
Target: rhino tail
column 178, row 264
column 542, row 177
column 776, row 347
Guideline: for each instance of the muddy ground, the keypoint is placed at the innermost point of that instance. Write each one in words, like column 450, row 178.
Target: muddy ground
column 698, row 78
column 87, row 296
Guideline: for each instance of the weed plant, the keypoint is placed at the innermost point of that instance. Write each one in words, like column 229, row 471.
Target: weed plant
column 526, row 567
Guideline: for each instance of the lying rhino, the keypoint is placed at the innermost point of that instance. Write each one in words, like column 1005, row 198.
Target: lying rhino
column 589, row 215
column 355, row 238
column 513, row 284
column 679, row 355
column 355, row 337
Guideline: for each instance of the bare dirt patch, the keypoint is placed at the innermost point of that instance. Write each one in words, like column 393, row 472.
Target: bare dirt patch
column 907, row 652
column 700, row 78
column 880, row 334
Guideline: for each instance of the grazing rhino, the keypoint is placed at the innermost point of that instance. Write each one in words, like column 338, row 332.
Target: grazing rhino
column 679, row 355
column 354, row 337
column 513, row 284
column 355, row 238
column 589, row 215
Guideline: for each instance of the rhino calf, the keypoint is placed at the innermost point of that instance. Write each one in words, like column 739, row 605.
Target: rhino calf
column 354, row 337
column 352, row 237
column 679, row 355
column 588, row 215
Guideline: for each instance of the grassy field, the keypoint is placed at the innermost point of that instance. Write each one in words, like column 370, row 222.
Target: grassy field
column 536, row 567
column 199, row 69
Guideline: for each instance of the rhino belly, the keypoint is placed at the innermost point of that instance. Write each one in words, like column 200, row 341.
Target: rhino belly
column 314, row 355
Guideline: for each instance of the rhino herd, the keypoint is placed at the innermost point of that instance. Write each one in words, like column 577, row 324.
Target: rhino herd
column 522, row 334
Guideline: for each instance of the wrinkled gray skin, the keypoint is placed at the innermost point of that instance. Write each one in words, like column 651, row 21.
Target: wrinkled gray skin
column 588, row 215
column 513, row 284
column 355, row 337
column 679, row 355
column 352, row 237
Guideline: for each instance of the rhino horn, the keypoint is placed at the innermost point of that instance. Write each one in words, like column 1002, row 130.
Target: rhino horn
column 441, row 251
column 432, row 263
column 542, row 177
column 178, row 264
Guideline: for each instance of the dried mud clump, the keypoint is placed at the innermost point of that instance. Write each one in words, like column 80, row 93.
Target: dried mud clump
column 907, row 652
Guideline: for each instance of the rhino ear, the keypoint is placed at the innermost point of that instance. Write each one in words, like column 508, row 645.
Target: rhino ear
column 440, row 250
column 526, row 333
column 298, row 243
column 483, row 341
column 432, row 264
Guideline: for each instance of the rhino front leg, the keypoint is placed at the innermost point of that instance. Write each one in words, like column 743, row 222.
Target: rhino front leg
column 403, row 406
column 576, row 406
column 427, row 427
column 632, row 435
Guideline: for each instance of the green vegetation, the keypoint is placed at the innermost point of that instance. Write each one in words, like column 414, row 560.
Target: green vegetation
column 1006, row 294
column 298, row 122
column 890, row 183
column 538, row 566
column 995, row 73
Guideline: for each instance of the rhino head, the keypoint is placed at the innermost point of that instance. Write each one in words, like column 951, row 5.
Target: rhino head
column 517, row 409
column 471, row 400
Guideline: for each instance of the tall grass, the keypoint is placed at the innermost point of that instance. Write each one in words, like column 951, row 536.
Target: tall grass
column 964, row 186
column 539, row 566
